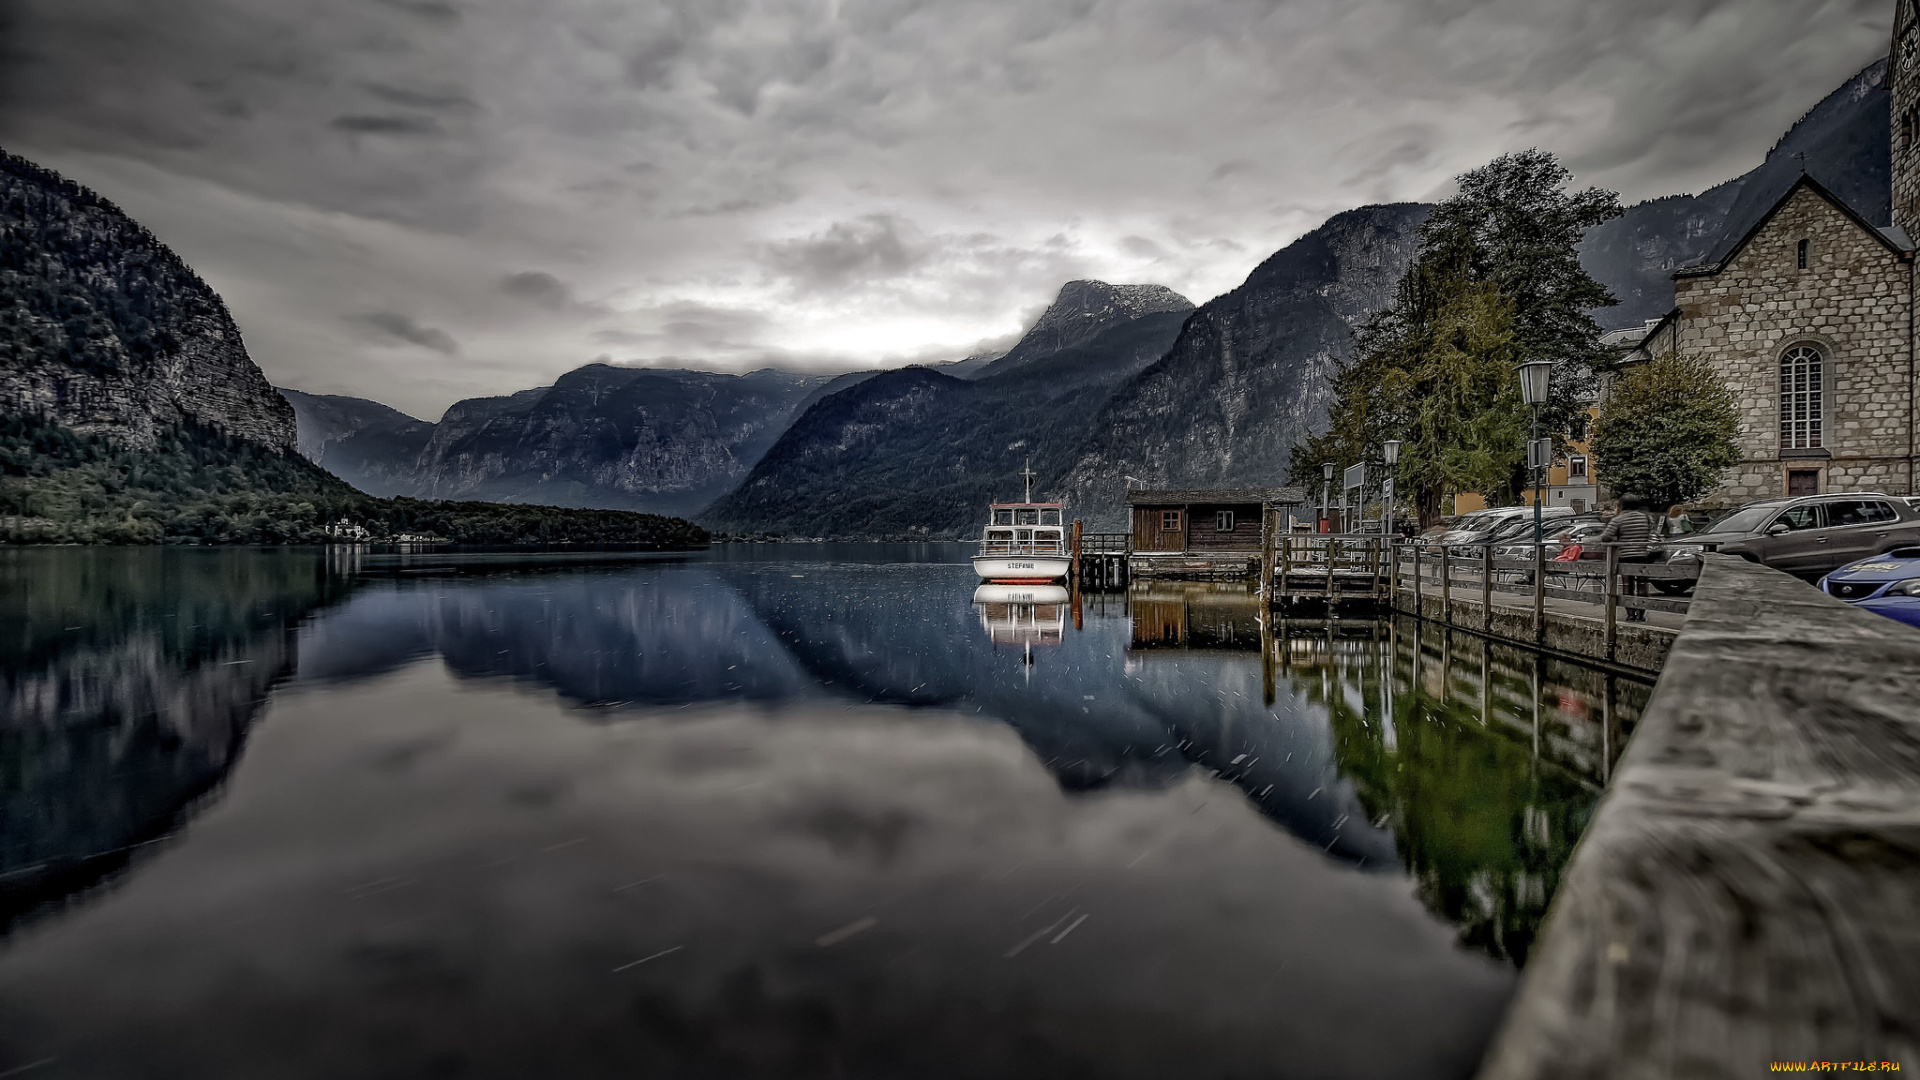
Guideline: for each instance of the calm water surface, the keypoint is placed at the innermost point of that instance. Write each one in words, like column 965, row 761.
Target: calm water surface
column 766, row 811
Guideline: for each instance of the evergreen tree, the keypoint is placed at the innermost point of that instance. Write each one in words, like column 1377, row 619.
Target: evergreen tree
column 1667, row 431
column 1497, row 282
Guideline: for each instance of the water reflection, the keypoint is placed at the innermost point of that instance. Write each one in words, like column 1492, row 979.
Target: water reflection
column 130, row 680
column 1024, row 615
column 1212, row 778
column 1485, row 761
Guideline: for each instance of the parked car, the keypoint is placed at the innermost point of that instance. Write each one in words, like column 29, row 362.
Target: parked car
column 1492, row 526
column 1581, row 529
column 1886, row 584
column 1807, row 536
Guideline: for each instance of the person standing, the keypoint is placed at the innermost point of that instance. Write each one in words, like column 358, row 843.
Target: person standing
column 1632, row 531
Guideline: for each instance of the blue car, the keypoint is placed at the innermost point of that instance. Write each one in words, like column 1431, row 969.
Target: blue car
column 1885, row 584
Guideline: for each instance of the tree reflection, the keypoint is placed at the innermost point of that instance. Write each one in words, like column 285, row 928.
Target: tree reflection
column 130, row 678
column 1485, row 761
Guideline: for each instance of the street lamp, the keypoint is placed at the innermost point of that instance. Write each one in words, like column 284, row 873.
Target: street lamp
column 1326, row 497
column 1536, row 377
column 1390, row 454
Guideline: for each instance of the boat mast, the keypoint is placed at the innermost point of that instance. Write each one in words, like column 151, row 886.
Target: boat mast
column 1028, row 473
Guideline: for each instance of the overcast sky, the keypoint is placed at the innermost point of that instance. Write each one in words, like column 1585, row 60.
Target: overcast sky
column 422, row 200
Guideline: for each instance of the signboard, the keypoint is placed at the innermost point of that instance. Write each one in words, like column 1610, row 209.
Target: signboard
column 1539, row 453
column 1356, row 476
column 1386, row 489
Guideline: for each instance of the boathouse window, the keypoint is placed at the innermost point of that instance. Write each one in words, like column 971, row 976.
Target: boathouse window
column 1802, row 403
column 1223, row 521
column 1805, row 245
column 1169, row 520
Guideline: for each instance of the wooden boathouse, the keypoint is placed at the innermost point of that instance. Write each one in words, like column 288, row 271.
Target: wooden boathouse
column 1207, row 534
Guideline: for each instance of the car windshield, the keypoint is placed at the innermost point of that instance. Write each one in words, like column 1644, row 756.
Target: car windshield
column 1748, row 520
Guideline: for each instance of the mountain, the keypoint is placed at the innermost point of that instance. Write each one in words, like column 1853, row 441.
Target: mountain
column 603, row 436
column 363, row 442
column 1845, row 141
column 130, row 411
column 917, row 453
column 1251, row 370
column 1079, row 314
column 104, row 329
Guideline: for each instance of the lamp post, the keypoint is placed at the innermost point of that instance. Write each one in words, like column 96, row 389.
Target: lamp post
column 1390, row 454
column 1326, row 497
column 1536, row 377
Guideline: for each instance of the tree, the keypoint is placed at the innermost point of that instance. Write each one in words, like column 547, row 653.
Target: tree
column 1667, row 430
column 1497, row 280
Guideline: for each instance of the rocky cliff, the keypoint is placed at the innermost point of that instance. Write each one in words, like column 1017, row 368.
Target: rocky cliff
column 363, row 442
column 104, row 329
column 1250, row 372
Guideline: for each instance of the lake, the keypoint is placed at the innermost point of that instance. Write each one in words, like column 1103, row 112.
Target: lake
column 766, row 810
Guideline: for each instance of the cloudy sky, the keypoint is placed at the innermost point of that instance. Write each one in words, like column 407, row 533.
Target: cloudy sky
column 424, row 200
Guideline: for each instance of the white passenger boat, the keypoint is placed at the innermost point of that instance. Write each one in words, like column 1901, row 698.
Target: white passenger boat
column 1025, row 543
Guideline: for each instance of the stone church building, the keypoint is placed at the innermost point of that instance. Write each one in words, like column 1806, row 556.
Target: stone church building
column 1809, row 318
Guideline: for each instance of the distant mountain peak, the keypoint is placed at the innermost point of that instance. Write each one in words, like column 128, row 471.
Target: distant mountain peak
column 1081, row 312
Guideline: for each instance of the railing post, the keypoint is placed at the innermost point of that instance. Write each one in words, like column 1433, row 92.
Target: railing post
column 1333, row 549
column 1419, row 575
column 1446, row 585
column 1286, row 566
column 1539, row 593
column 1486, row 588
column 1613, row 595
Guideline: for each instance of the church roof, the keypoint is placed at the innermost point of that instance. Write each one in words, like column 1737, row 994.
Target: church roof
column 1893, row 239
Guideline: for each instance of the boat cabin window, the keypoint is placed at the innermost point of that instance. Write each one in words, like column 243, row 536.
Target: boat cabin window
column 1049, row 517
column 1024, row 534
column 1003, row 517
column 1026, row 517
column 999, row 534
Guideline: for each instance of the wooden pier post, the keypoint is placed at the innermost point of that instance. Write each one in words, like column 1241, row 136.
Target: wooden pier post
column 1268, row 526
column 1075, row 571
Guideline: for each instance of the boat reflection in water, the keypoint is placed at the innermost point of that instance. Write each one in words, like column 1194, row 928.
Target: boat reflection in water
column 1025, row 615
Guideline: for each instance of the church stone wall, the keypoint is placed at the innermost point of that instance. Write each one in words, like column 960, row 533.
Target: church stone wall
column 1903, row 80
column 1852, row 301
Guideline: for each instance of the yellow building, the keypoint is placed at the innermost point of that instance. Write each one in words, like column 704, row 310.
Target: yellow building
column 1571, row 479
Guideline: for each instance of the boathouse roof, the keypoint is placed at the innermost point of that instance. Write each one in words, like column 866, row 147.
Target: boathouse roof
column 1275, row 496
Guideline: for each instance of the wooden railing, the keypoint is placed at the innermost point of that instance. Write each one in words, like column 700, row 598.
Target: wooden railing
column 1609, row 584
column 1094, row 543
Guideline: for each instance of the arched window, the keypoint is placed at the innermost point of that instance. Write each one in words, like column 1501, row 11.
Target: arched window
column 1805, row 247
column 1802, row 402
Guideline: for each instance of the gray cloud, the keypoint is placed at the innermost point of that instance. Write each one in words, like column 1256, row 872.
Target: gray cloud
column 387, row 125
column 537, row 287
column 728, row 180
column 391, row 325
column 875, row 246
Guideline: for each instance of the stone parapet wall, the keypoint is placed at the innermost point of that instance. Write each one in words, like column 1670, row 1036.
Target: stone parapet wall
column 1745, row 892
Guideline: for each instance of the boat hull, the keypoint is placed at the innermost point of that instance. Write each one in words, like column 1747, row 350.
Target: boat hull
column 1021, row 568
